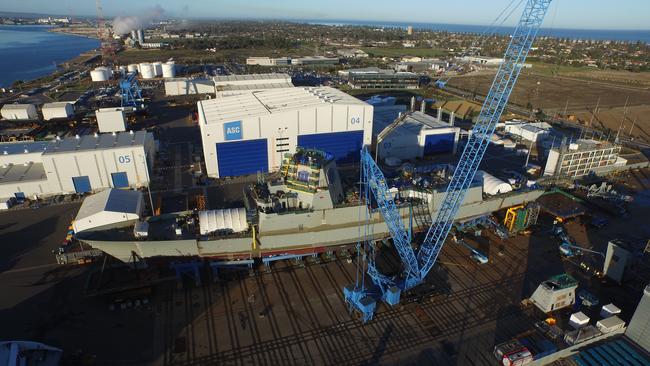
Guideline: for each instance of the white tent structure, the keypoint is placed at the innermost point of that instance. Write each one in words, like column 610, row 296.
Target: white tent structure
column 229, row 219
column 109, row 208
column 491, row 184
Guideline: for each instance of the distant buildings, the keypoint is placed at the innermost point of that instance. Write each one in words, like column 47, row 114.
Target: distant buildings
column 288, row 61
column 376, row 78
column 352, row 53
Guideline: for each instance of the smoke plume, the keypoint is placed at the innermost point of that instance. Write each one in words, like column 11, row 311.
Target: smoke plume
column 124, row 24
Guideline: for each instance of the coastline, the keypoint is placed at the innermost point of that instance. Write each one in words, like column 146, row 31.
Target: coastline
column 71, row 32
column 74, row 59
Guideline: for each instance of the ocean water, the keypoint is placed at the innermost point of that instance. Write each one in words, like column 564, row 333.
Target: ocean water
column 28, row 52
column 586, row 34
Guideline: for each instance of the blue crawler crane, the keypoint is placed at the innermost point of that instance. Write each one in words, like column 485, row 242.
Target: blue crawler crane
column 417, row 262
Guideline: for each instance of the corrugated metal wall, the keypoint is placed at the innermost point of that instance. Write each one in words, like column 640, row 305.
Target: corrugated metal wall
column 242, row 157
column 345, row 146
column 439, row 143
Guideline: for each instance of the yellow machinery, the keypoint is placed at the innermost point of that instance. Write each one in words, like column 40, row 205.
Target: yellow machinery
column 518, row 218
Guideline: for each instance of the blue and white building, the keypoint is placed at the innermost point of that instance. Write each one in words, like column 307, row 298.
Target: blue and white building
column 81, row 164
column 251, row 132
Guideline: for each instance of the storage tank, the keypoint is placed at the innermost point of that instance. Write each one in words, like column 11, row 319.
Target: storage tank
column 157, row 68
column 142, row 64
column 147, row 71
column 132, row 68
column 123, row 70
column 493, row 185
column 99, row 74
column 168, row 70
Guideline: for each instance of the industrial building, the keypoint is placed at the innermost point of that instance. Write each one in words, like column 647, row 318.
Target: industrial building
column 639, row 328
column 583, row 157
column 372, row 78
column 110, row 120
column 228, row 85
column 249, row 133
column 17, row 112
column 288, row 61
column 88, row 163
column 415, row 135
column 186, row 86
column 530, row 131
column 76, row 164
column 352, row 53
column 57, row 110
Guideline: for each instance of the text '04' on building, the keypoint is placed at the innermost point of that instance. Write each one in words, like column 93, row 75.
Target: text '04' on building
column 250, row 133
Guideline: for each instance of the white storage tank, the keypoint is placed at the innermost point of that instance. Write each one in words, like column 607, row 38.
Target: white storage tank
column 57, row 110
column 157, row 68
column 132, row 68
column 99, row 74
column 147, row 71
column 168, row 70
column 123, row 70
column 16, row 112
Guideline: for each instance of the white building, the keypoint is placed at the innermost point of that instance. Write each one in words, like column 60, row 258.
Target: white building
column 261, row 61
column 415, row 135
column 249, row 133
column 352, row 53
column 16, row 112
column 583, row 157
column 110, row 208
column 110, row 120
column 530, row 131
column 89, row 163
column 237, row 84
column 57, row 110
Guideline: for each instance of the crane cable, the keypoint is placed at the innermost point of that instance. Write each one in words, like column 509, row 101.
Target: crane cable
column 479, row 41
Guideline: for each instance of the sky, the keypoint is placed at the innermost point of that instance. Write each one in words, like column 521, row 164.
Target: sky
column 578, row 14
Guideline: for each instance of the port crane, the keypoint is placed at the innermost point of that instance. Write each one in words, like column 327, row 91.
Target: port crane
column 130, row 91
column 417, row 264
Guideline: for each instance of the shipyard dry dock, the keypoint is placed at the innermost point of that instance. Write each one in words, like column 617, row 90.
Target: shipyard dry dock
column 296, row 315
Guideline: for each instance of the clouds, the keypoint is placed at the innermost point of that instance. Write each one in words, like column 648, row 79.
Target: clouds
column 124, row 24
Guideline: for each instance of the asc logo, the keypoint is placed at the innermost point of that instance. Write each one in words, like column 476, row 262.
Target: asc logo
column 232, row 130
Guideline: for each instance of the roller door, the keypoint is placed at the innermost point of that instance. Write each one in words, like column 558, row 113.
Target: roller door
column 81, row 184
column 120, row 180
column 345, row 146
column 439, row 143
column 242, row 157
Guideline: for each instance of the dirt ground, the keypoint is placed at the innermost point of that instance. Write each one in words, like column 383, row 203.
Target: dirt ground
column 579, row 95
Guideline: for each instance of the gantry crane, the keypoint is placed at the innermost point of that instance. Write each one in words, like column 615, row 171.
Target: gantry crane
column 416, row 266
column 130, row 91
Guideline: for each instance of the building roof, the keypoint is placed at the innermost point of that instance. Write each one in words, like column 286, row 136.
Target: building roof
column 97, row 142
column 17, row 106
column 55, row 105
column 14, row 173
column 111, row 200
column 412, row 124
column 228, row 79
column 267, row 102
column 9, row 148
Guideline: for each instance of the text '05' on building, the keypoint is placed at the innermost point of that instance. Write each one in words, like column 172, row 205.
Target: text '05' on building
column 251, row 132
column 79, row 164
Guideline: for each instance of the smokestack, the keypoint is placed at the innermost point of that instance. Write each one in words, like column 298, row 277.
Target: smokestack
column 140, row 36
column 423, row 108
column 412, row 104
